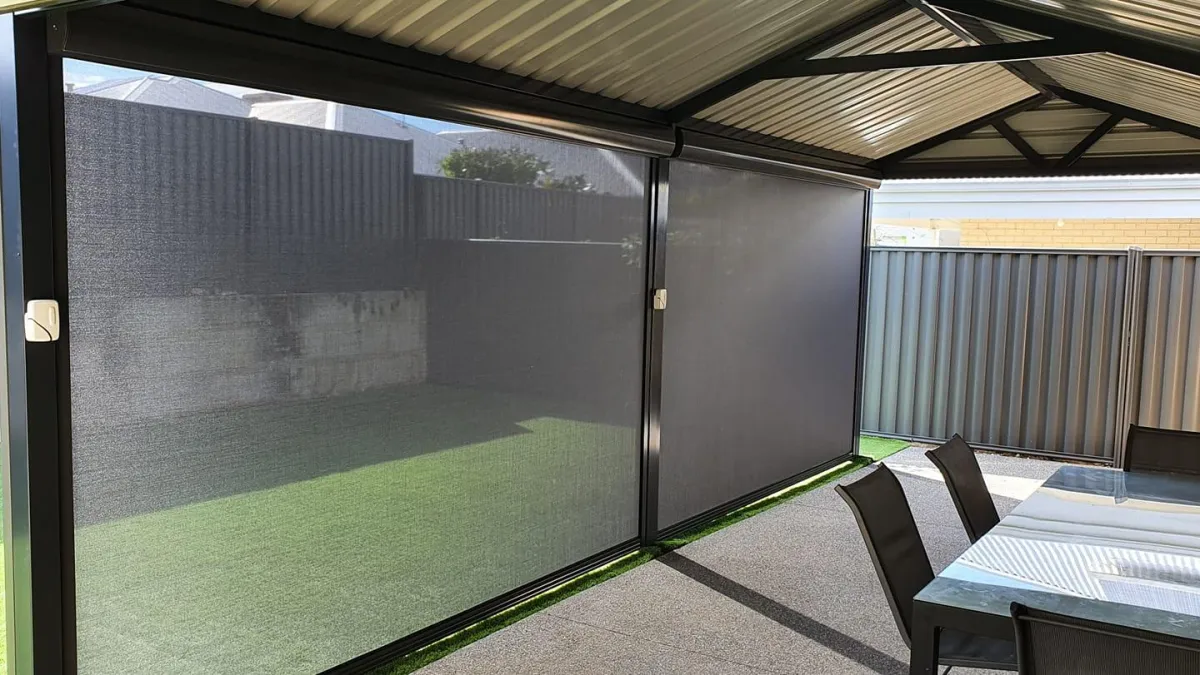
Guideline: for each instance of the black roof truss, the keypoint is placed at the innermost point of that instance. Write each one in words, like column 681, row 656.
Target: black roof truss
column 970, row 30
column 1014, row 139
column 1068, row 160
column 757, row 73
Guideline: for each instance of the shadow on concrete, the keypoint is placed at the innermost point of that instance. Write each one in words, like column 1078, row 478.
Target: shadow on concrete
column 785, row 616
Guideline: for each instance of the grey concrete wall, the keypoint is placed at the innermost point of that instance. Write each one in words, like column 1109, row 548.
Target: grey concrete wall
column 145, row 358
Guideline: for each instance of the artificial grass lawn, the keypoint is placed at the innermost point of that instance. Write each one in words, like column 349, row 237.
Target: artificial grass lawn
column 3, row 617
column 879, row 448
column 315, row 572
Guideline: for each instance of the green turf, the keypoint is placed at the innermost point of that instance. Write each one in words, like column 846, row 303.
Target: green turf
column 316, row 572
column 3, row 617
column 878, row 448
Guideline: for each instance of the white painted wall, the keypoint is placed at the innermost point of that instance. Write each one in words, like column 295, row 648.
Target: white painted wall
column 1107, row 198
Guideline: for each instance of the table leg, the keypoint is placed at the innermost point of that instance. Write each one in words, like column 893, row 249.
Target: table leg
column 924, row 651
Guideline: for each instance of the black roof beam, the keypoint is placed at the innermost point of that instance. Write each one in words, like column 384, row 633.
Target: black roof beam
column 970, row 30
column 962, row 130
column 1069, row 159
column 926, row 58
column 1010, row 134
column 1100, row 39
column 755, row 74
column 1157, row 121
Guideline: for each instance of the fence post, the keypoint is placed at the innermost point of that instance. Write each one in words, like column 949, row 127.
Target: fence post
column 1130, row 352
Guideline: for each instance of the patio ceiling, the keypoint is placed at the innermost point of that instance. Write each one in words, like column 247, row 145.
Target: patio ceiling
column 1004, row 87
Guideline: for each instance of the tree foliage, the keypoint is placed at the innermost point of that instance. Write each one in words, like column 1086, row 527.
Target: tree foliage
column 508, row 165
column 576, row 183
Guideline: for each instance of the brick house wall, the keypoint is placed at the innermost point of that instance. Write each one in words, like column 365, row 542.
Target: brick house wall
column 1160, row 233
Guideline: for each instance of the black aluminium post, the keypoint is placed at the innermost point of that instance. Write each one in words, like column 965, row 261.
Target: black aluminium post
column 37, row 496
column 657, row 197
column 864, row 288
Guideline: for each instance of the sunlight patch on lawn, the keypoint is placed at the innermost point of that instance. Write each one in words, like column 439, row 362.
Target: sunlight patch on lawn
column 315, row 572
column 879, row 448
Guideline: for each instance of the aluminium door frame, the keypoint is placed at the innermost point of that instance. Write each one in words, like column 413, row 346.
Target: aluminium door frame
column 39, row 533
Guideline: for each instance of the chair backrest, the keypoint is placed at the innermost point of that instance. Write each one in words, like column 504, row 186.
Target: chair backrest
column 1166, row 450
column 1049, row 643
column 888, row 528
column 956, row 460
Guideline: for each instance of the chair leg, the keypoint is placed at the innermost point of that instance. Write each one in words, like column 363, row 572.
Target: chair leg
column 947, row 670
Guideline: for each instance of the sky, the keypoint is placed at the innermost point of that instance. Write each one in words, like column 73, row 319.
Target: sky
column 85, row 73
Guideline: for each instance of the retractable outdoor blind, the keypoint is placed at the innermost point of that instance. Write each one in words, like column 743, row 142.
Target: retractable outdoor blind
column 761, row 335
column 320, row 401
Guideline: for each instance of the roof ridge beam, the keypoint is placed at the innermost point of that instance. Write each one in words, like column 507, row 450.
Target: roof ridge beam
column 927, row 58
column 754, row 74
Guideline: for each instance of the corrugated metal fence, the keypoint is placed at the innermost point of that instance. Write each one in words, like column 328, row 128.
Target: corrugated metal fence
column 456, row 209
column 1165, row 380
column 1050, row 351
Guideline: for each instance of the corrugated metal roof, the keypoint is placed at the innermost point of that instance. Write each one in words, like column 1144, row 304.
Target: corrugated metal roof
column 1135, row 84
column 172, row 92
column 1055, row 128
column 20, row 5
column 1170, row 21
column 658, row 53
column 652, row 52
column 873, row 114
column 1131, row 83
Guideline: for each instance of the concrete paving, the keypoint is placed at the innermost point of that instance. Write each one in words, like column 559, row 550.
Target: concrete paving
column 789, row 591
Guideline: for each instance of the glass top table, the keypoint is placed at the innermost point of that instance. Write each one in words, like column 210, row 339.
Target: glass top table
column 1096, row 543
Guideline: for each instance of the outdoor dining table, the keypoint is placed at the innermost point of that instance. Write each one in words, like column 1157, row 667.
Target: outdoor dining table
column 1095, row 543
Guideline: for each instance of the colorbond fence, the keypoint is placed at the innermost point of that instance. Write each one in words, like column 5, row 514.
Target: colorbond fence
column 1165, row 379
column 1049, row 351
column 452, row 208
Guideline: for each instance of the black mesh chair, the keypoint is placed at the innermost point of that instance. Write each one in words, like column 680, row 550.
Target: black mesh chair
column 956, row 460
column 888, row 528
column 1165, row 450
column 1053, row 644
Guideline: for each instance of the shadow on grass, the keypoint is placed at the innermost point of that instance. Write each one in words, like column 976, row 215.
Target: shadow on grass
column 303, row 576
column 125, row 469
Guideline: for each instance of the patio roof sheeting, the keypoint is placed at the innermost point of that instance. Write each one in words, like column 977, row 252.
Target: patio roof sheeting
column 873, row 114
column 1121, row 80
column 1158, row 90
column 652, row 52
column 1172, row 22
column 725, row 69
